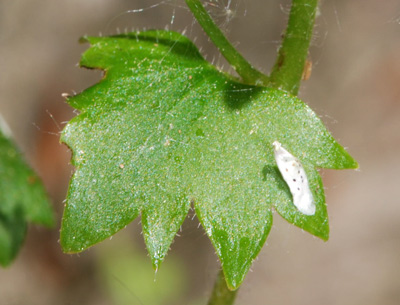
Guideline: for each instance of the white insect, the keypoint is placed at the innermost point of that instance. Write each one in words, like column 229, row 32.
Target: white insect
column 295, row 176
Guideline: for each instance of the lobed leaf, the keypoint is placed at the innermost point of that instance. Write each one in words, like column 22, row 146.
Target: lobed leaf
column 164, row 129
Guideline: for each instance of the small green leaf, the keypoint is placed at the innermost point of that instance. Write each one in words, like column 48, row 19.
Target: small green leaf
column 12, row 234
column 164, row 129
column 22, row 200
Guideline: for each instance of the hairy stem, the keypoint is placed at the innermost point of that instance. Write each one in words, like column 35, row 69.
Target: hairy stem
column 221, row 295
column 245, row 70
column 288, row 69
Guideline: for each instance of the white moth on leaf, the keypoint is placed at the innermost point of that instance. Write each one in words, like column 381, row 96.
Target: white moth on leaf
column 295, row 176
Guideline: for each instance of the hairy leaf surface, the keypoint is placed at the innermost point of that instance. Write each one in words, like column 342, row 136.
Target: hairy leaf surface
column 164, row 129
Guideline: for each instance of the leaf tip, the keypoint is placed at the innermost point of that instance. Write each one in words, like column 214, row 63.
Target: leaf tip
column 156, row 263
column 355, row 165
column 348, row 161
column 324, row 235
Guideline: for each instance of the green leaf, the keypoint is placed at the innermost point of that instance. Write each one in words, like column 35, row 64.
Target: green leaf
column 164, row 129
column 22, row 200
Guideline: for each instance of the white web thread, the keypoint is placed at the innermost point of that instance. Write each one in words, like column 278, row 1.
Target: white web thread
column 224, row 11
column 173, row 3
column 56, row 124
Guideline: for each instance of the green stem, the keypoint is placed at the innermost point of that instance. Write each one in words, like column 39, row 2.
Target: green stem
column 246, row 71
column 288, row 69
column 221, row 295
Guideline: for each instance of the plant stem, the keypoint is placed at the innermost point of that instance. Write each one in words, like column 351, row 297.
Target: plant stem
column 288, row 69
column 221, row 295
column 245, row 70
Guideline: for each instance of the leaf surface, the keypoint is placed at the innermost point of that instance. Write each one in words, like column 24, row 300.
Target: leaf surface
column 164, row 129
column 22, row 200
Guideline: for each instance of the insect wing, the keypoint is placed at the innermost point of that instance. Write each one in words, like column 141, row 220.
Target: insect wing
column 295, row 177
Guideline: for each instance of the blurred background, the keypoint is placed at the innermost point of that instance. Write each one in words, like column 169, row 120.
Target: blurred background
column 354, row 87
